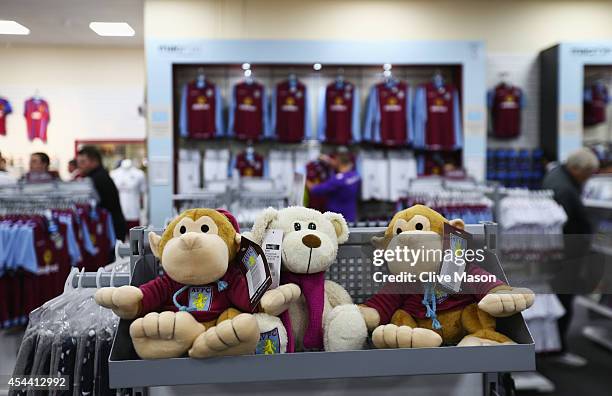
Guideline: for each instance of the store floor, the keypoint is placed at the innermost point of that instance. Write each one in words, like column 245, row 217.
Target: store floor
column 590, row 380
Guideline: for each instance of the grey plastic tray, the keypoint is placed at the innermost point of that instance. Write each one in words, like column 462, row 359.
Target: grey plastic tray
column 128, row 371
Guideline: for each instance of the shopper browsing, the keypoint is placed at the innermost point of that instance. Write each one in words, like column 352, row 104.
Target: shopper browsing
column 566, row 181
column 39, row 169
column 73, row 170
column 341, row 190
column 5, row 177
column 89, row 162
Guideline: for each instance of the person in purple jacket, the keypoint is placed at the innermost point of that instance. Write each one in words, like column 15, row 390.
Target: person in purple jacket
column 342, row 188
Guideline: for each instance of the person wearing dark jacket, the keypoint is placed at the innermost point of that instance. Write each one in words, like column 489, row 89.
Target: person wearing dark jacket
column 89, row 163
column 566, row 182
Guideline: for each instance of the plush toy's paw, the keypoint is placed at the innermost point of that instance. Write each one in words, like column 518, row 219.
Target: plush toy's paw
column 371, row 317
column 392, row 336
column 502, row 303
column 124, row 300
column 237, row 336
column 345, row 329
column 478, row 341
column 269, row 327
column 164, row 335
column 276, row 301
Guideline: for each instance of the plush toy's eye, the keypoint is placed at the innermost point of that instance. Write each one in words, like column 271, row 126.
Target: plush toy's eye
column 183, row 229
column 398, row 231
column 418, row 226
column 297, row 226
column 312, row 226
column 204, row 228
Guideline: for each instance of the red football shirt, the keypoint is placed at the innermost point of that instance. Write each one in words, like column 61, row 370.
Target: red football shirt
column 250, row 167
column 5, row 109
column 204, row 302
column 393, row 114
column 506, row 111
column 339, row 109
column 387, row 301
column 201, row 110
column 440, row 128
column 248, row 112
column 36, row 112
column 290, row 105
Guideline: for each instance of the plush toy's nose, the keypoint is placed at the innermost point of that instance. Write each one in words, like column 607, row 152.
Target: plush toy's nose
column 191, row 240
column 311, row 240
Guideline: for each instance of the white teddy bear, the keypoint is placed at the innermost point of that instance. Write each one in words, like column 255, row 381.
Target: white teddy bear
column 317, row 313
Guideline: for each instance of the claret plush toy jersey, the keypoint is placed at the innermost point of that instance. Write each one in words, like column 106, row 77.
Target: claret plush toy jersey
column 196, row 305
column 434, row 317
column 317, row 313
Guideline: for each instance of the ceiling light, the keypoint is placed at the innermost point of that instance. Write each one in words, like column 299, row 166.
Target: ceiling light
column 121, row 29
column 12, row 27
column 317, row 66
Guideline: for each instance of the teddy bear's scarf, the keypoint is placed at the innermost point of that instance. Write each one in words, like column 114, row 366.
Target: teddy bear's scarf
column 313, row 289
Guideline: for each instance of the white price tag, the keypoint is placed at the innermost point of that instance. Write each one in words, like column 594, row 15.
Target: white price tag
column 273, row 246
column 255, row 269
column 456, row 241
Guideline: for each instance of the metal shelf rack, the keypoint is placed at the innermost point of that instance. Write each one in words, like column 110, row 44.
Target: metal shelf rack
column 126, row 370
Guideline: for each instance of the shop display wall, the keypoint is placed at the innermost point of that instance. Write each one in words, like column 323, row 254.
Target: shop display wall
column 600, row 132
column 164, row 55
column 562, row 68
column 363, row 79
column 92, row 94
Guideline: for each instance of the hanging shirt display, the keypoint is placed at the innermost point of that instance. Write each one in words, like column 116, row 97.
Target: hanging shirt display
column 281, row 166
column 201, row 111
column 437, row 118
column 290, row 112
column 248, row 115
column 216, row 165
column 189, row 167
column 596, row 99
column 388, row 116
column 339, row 114
column 5, row 109
column 36, row 112
column 250, row 164
column 402, row 169
column 132, row 186
column 374, row 171
column 506, row 102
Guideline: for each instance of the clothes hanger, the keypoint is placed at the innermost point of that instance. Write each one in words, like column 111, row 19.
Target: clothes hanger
column 340, row 78
column 248, row 76
column 201, row 78
column 438, row 79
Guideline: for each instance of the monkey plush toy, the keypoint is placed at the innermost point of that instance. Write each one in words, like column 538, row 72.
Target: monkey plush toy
column 430, row 317
column 200, row 296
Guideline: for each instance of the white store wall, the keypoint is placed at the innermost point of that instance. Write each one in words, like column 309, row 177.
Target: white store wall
column 505, row 26
column 93, row 93
column 514, row 31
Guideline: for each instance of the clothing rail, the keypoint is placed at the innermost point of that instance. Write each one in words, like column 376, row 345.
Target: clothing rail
column 92, row 279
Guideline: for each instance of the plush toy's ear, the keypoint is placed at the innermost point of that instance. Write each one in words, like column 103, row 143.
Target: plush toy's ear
column 457, row 223
column 261, row 225
column 380, row 242
column 154, row 241
column 340, row 226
